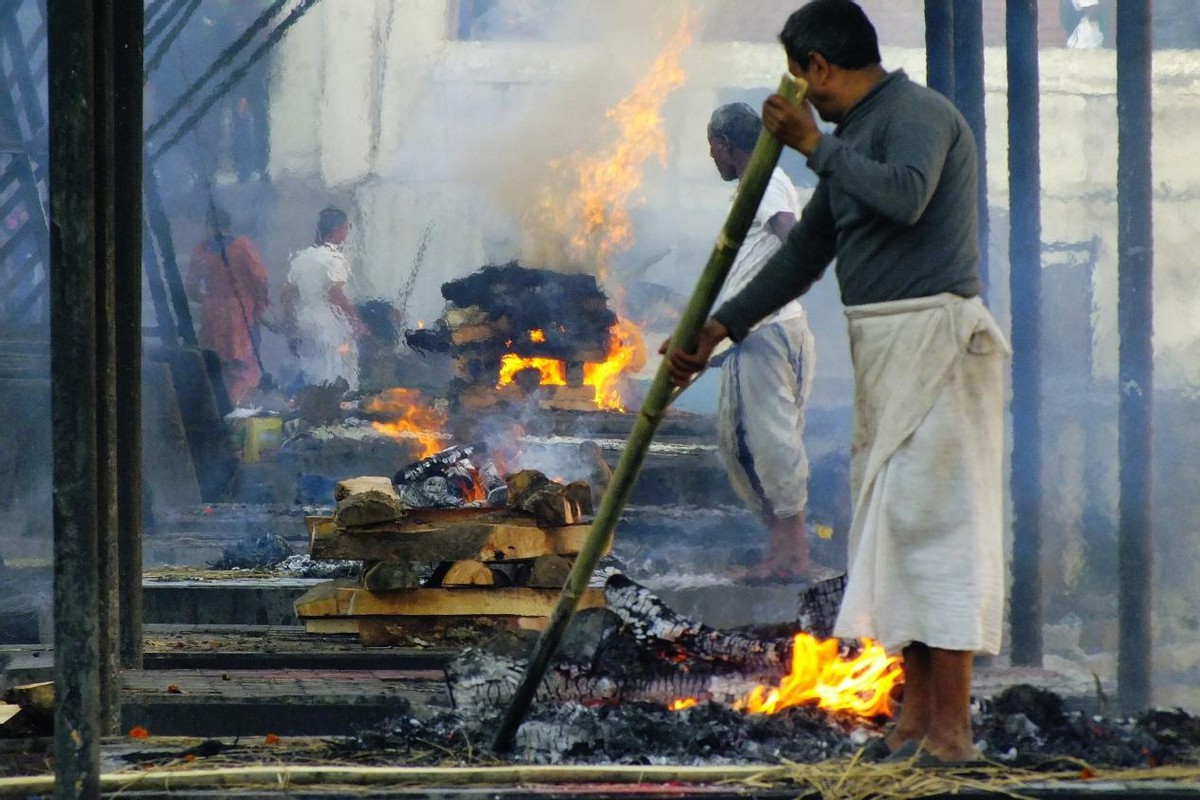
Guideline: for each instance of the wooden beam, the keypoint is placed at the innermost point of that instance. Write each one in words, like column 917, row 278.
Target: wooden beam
column 516, row 538
column 354, row 601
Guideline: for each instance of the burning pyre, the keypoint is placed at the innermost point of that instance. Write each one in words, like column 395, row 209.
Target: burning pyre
column 516, row 333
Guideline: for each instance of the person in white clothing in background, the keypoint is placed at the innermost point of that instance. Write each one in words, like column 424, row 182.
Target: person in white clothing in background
column 323, row 324
column 766, row 378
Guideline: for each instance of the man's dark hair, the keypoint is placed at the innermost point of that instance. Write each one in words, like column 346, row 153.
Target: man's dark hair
column 738, row 123
column 837, row 29
column 330, row 220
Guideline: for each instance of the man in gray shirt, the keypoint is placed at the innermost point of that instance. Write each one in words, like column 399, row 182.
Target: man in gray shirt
column 896, row 206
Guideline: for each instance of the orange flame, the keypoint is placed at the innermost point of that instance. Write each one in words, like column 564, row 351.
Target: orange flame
column 626, row 353
column 594, row 219
column 682, row 703
column 820, row 677
column 413, row 419
column 537, row 336
column 553, row 372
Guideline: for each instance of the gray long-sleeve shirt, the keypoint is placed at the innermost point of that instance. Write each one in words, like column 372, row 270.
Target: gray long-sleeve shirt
column 895, row 204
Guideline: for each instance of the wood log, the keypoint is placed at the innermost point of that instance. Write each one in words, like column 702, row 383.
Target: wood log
column 448, row 630
column 354, row 601
column 524, row 484
column 321, row 600
column 331, row 626
column 514, row 538
column 468, row 573
column 388, row 575
column 368, row 508
column 366, row 483
column 37, row 698
column 7, row 712
column 549, row 572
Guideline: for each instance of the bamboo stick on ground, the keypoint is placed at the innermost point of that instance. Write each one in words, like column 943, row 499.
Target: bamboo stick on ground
column 745, row 205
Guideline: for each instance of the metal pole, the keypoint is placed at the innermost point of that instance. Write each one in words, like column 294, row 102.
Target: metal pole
column 969, row 97
column 939, row 46
column 108, row 563
column 1135, row 322
column 72, row 85
column 127, row 70
column 1025, row 285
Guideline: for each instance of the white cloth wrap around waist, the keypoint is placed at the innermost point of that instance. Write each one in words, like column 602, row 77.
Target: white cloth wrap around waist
column 927, row 541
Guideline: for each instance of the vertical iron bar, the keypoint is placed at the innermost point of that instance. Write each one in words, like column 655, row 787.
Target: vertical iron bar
column 1135, row 322
column 127, row 71
column 108, row 562
column 70, row 35
column 969, row 97
column 939, row 46
column 1025, row 284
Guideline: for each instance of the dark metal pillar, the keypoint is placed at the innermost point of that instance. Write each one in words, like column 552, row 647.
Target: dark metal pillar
column 1025, row 283
column 939, row 46
column 969, row 97
column 73, row 352
column 1135, row 321
column 127, row 70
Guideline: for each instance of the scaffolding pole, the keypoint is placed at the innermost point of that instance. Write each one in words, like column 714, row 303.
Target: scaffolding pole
column 939, row 46
column 73, row 394
column 1135, row 322
column 969, row 97
column 127, row 70
column 1025, row 285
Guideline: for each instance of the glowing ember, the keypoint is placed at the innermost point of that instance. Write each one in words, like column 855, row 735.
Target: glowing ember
column 626, row 353
column 821, row 677
column 594, row 219
column 537, row 336
column 412, row 419
column 682, row 703
column 552, row 371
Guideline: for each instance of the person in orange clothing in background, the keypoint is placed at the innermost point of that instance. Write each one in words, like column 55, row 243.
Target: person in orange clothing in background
column 228, row 279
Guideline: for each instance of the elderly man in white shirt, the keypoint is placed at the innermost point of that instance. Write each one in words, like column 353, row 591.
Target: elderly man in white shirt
column 766, row 379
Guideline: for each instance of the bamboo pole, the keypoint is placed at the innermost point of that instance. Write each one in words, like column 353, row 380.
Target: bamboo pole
column 687, row 333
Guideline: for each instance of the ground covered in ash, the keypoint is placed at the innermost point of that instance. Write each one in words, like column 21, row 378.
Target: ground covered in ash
column 1022, row 727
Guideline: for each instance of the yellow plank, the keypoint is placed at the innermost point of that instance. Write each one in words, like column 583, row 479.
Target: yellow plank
column 322, row 599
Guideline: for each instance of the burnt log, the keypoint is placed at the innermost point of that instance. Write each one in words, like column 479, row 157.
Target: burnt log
column 389, row 575
column 548, row 572
column 570, row 310
column 654, row 624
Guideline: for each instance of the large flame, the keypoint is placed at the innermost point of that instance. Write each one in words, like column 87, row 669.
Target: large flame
column 594, row 218
column 821, row 677
column 411, row 419
column 552, row 372
column 626, row 353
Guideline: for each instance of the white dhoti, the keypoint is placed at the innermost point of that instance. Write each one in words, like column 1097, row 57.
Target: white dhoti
column 927, row 541
column 765, row 383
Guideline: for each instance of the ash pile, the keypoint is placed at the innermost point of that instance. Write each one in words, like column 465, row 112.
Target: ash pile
column 555, row 323
column 609, row 695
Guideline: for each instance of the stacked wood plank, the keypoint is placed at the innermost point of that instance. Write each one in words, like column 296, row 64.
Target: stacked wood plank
column 492, row 568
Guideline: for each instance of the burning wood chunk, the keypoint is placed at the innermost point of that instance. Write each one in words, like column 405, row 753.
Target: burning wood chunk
column 366, row 501
column 551, row 503
column 457, row 477
column 468, row 573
